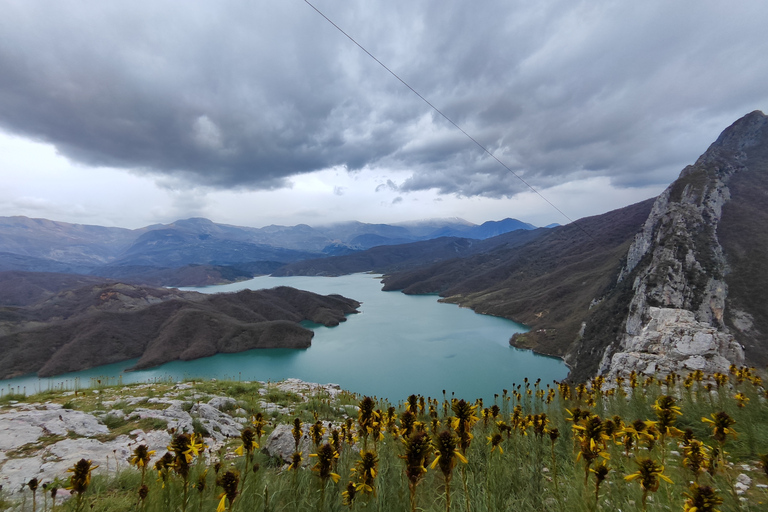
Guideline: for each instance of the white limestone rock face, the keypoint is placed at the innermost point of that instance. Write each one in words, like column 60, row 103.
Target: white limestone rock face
column 674, row 341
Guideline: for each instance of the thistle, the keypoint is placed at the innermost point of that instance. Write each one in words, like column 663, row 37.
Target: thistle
column 650, row 474
column 701, row 499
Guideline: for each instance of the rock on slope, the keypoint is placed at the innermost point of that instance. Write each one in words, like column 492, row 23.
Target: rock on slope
column 108, row 323
column 696, row 268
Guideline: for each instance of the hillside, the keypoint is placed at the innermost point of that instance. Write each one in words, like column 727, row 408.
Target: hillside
column 394, row 258
column 547, row 283
column 107, row 323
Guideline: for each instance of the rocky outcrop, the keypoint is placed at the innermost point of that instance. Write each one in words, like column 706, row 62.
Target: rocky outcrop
column 674, row 341
column 678, row 269
column 43, row 439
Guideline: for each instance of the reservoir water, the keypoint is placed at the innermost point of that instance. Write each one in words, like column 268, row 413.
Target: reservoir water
column 396, row 346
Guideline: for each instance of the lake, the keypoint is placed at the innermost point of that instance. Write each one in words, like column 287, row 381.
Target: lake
column 396, row 346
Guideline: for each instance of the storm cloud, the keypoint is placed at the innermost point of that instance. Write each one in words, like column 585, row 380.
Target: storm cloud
column 245, row 95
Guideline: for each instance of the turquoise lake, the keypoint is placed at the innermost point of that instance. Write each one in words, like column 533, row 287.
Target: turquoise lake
column 396, row 346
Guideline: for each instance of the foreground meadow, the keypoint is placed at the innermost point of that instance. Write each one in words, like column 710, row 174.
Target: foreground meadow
column 692, row 443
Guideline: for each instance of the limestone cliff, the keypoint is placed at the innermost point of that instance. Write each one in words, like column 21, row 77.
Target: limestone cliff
column 678, row 316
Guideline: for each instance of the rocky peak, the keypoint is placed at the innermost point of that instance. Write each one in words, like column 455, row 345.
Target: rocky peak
column 677, row 263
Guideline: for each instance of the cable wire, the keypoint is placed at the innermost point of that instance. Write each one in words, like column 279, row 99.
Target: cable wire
column 433, row 107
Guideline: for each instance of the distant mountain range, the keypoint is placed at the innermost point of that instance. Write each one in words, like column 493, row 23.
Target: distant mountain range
column 198, row 252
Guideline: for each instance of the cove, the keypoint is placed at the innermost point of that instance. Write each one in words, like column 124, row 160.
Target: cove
column 396, row 346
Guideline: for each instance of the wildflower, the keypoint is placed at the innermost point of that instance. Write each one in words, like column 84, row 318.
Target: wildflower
column 495, row 442
column 228, row 482
column 742, row 399
column 258, row 423
column 140, row 458
column 296, row 431
column 601, row 473
column 201, row 481
column 701, row 499
column 591, row 443
column 539, row 423
column 336, row 440
column 446, row 453
column 248, row 437
column 316, row 432
column 143, row 493
column 695, row 457
column 407, row 421
column 463, row 422
column 650, row 474
column 367, row 419
column 349, row 495
column 721, row 426
column 326, row 457
column 667, row 412
column 295, row 461
column 366, row 469
column 417, row 448
column 32, row 484
column 81, row 476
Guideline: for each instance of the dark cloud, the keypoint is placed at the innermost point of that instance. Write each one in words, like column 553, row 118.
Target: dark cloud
column 246, row 95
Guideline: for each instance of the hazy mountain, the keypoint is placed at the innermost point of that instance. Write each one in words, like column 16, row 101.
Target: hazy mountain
column 155, row 254
column 394, row 258
column 104, row 323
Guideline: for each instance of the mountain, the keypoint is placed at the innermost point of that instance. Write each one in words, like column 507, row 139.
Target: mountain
column 675, row 283
column 394, row 258
column 698, row 269
column 207, row 252
column 547, row 283
column 78, row 328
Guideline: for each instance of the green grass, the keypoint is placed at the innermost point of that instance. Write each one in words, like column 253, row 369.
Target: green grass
column 532, row 473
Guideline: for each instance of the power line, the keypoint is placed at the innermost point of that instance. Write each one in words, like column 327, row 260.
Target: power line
column 433, row 107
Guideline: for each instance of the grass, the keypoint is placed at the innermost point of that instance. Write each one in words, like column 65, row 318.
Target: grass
column 532, row 473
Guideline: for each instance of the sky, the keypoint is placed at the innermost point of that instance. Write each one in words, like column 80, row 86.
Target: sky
column 262, row 112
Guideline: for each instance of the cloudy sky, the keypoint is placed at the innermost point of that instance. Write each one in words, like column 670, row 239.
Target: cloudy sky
column 258, row 112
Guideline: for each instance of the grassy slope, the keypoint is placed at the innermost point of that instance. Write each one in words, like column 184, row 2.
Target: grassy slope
column 532, row 473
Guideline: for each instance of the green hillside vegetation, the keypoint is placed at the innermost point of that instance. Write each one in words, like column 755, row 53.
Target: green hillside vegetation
column 680, row 443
